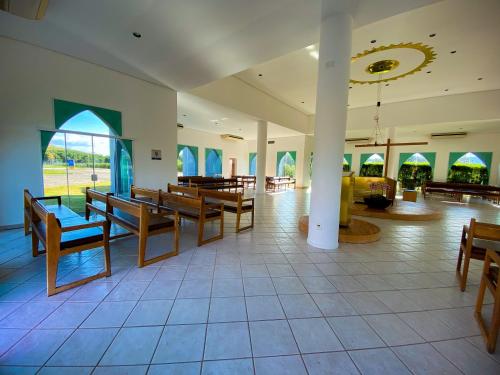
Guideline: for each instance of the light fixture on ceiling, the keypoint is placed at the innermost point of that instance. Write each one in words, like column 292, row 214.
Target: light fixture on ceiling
column 373, row 41
column 302, row 102
column 453, row 51
column 260, row 74
column 184, row 115
column 387, row 84
column 314, row 54
column 432, row 35
column 446, row 89
column 136, row 34
column 429, row 71
column 480, row 79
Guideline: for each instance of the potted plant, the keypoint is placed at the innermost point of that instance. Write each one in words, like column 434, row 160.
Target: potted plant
column 377, row 200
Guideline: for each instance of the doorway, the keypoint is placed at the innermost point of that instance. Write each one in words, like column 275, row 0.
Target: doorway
column 233, row 166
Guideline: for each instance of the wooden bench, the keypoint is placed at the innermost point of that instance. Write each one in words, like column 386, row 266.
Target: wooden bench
column 276, row 182
column 195, row 209
column 185, row 191
column 58, row 209
column 232, row 202
column 144, row 195
column 137, row 218
column 458, row 190
column 489, row 279
column 75, row 235
column 247, row 181
column 476, row 238
column 95, row 201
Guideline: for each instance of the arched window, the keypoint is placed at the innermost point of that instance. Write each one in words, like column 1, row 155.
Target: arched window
column 252, row 164
column 85, row 152
column 345, row 166
column 213, row 162
column 286, row 163
column 187, row 160
column 372, row 165
column 415, row 169
column 469, row 168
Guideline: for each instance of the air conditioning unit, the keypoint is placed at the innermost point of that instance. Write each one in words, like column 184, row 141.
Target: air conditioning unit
column 30, row 9
column 179, row 125
column 448, row 135
column 357, row 140
column 231, row 137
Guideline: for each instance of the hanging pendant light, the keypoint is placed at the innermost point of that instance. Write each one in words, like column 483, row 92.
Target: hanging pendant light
column 377, row 132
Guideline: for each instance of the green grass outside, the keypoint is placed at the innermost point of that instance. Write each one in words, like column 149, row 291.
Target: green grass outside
column 76, row 198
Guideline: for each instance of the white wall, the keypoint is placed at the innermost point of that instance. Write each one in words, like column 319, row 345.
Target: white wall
column 442, row 148
column 31, row 77
column 296, row 143
column 230, row 149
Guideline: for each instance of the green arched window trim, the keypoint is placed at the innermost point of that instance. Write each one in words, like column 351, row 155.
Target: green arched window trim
column 280, row 155
column 430, row 156
column 251, row 156
column 484, row 156
column 348, row 158
column 364, row 157
column 194, row 151
column 64, row 110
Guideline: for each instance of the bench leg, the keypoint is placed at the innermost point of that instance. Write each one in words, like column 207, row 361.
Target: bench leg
column 52, row 261
column 26, row 225
column 34, row 244
column 463, row 276
column 201, row 227
column 143, row 240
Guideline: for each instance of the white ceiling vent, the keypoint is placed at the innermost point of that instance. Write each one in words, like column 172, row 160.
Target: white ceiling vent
column 30, row 9
column 231, row 137
column 448, row 135
column 357, row 140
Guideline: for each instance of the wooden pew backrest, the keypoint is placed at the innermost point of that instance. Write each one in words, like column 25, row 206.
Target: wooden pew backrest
column 144, row 193
column 221, row 195
column 183, row 190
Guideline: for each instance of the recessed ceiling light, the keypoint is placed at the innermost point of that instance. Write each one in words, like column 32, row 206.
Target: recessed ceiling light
column 184, row 115
column 260, row 74
column 373, row 41
column 453, row 52
column 302, row 102
column 350, row 87
column 387, row 84
column 314, row 54
column 429, row 71
column 136, row 34
column 480, row 79
column 432, row 35
column 445, row 89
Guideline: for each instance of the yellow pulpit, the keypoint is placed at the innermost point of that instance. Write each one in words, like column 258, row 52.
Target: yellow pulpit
column 346, row 197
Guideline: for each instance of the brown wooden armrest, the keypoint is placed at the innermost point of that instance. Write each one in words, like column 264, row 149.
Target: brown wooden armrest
column 493, row 255
column 84, row 226
column 58, row 197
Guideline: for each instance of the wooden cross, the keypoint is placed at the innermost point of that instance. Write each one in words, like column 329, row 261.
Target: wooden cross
column 388, row 149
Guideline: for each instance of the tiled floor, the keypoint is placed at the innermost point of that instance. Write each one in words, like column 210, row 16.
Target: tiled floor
column 261, row 302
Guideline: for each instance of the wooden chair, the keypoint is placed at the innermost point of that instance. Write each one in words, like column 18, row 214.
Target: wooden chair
column 195, row 209
column 191, row 192
column 489, row 279
column 76, row 235
column 137, row 218
column 234, row 203
column 476, row 237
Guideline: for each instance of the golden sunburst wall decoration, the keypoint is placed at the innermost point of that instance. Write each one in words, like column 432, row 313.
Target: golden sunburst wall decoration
column 388, row 63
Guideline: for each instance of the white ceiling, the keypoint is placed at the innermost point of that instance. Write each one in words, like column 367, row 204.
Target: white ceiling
column 472, row 28
column 200, row 114
column 470, row 127
column 186, row 43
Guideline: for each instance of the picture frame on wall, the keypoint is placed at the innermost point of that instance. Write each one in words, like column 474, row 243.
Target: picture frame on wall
column 155, row 154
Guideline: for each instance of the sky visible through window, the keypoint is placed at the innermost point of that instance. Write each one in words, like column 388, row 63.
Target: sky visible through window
column 86, row 122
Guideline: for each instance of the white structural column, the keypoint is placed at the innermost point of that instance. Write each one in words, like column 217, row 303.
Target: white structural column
column 329, row 132
column 261, row 156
